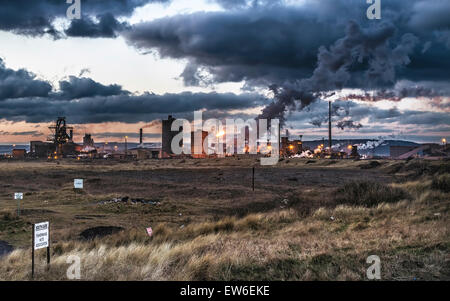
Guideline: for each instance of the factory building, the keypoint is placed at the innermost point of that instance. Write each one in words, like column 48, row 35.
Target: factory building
column 167, row 136
column 88, row 141
column 59, row 144
column 290, row 148
column 40, row 149
column 141, row 153
column 18, row 153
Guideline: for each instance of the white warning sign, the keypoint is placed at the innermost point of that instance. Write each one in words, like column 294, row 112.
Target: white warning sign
column 41, row 235
column 78, row 183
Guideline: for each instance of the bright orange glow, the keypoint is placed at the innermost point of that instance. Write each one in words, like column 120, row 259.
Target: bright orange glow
column 269, row 147
column 291, row 147
column 220, row 134
column 56, row 158
column 444, row 140
column 349, row 146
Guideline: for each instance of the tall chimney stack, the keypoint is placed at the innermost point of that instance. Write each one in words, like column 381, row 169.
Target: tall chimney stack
column 140, row 136
column 279, row 139
column 329, row 125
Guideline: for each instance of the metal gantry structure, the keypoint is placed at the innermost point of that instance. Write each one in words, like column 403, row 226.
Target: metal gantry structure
column 59, row 134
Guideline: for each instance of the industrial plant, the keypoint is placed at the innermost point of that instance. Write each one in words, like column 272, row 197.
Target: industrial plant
column 60, row 144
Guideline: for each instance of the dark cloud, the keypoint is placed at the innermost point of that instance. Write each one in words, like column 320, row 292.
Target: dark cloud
column 126, row 108
column 20, row 83
column 265, row 42
column 424, row 118
column 348, row 124
column 106, row 27
column 430, row 15
column 36, row 17
column 435, row 92
column 23, row 84
column 372, row 119
column 334, row 64
column 238, row 45
column 27, row 133
column 23, row 98
column 79, row 87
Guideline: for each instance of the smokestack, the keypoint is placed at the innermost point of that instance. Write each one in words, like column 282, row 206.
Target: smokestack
column 140, row 136
column 71, row 134
column 279, row 138
column 329, row 125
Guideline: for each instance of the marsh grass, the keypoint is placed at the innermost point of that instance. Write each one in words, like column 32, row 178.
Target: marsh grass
column 441, row 182
column 369, row 194
column 405, row 223
column 268, row 246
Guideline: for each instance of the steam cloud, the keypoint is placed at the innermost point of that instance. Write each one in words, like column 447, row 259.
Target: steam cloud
column 334, row 67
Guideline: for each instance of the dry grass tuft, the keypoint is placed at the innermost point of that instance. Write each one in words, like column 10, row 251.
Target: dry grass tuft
column 369, row 194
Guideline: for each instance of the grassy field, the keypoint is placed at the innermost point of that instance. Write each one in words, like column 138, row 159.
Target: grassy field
column 306, row 219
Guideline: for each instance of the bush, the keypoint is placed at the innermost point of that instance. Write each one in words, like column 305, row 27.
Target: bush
column 371, row 164
column 441, row 182
column 368, row 194
column 8, row 216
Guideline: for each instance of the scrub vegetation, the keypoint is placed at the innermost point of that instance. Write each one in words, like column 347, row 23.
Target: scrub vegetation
column 304, row 221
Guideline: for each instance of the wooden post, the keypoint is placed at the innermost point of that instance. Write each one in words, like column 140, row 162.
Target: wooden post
column 32, row 254
column 253, row 179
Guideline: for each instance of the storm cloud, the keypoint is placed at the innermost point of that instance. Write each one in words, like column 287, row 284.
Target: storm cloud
column 79, row 87
column 298, row 52
column 36, row 18
column 269, row 43
column 20, row 83
column 125, row 108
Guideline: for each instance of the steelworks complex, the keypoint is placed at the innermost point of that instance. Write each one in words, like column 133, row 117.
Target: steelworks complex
column 60, row 144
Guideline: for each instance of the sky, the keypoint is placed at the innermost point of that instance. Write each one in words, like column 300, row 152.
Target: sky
column 124, row 64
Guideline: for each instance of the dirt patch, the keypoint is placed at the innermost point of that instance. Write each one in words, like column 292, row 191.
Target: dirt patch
column 100, row 231
column 89, row 216
column 35, row 211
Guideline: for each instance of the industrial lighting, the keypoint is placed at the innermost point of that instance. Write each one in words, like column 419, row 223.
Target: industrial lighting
column 220, row 134
column 444, row 141
column 349, row 146
column 291, row 147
